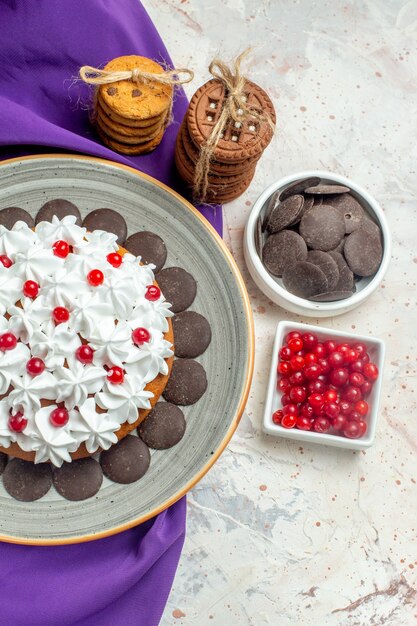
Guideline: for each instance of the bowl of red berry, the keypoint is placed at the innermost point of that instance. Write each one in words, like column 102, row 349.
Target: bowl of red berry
column 324, row 386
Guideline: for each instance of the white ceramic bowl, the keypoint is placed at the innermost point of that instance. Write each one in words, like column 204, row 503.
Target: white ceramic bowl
column 376, row 351
column 273, row 287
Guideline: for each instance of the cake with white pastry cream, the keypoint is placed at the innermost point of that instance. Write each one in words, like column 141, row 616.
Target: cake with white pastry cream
column 85, row 341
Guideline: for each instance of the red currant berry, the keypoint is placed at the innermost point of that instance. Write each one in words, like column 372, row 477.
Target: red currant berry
column 355, row 416
column 339, row 422
column 115, row 375
column 316, row 386
column 95, row 278
column 316, row 400
column 115, row 259
column 297, row 378
column 298, row 394
column 363, row 427
column 30, row 289
column 352, row 394
column 330, row 346
column 277, row 416
column 331, row 409
column 365, row 358
column 61, row 249
column 352, row 430
column 85, row 354
column 284, row 368
column 310, row 358
column 290, row 409
column 339, row 376
column 17, row 422
column 35, row 366
column 351, row 356
column 356, row 366
column 325, row 366
column 5, row 261
column 361, row 407
column 370, row 371
column 7, row 342
column 360, row 349
column 336, row 359
column 321, row 425
column 345, row 407
column 140, row 336
column 59, row 417
column 343, row 347
column 313, row 371
column 60, row 315
column 285, row 399
column 297, row 363
column 289, row 421
column 285, row 353
column 320, row 350
column 366, row 388
column 295, row 344
column 330, row 395
column 293, row 334
column 307, row 410
column 357, row 379
column 284, row 385
column 303, row 422
column 153, row 293
column 310, row 341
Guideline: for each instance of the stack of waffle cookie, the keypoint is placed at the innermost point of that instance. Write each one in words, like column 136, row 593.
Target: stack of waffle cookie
column 131, row 117
column 240, row 146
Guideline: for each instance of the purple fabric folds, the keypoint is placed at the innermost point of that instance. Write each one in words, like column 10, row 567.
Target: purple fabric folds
column 124, row 579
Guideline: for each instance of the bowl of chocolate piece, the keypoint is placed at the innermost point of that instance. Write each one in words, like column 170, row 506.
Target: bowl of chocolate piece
column 317, row 243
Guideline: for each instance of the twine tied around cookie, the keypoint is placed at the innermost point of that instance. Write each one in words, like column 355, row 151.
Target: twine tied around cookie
column 235, row 108
column 96, row 76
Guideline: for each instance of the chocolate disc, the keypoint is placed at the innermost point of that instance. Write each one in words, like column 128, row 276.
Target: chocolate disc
column 3, row 461
column 270, row 205
column 304, row 279
column 149, row 246
column 282, row 250
column 322, row 227
column 370, row 227
column 12, row 214
column 324, row 190
column 26, row 481
column 59, row 207
column 164, row 427
column 192, row 334
column 108, row 220
column 187, row 383
column 178, row 287
column 339, row 248
column 258, row 236
column 126, row 461
column 78, row 480
column 346, row 280
column 331, row 296
column 327, row 264
column 352, row 211
column 299, row 186
column 308, row 203
column 285, row 213
column 363, row 252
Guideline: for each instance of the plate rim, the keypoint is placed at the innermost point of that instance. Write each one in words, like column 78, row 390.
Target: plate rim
column 251, row 357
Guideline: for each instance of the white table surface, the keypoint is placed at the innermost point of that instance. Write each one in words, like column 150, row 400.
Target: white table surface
column 278, row 533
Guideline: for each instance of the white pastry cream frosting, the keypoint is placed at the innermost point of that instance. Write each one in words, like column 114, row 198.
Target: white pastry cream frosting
column 104, row 317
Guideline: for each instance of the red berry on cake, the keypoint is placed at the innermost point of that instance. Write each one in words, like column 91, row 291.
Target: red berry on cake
column 60, row 314
column 115, row 375
column 61, row 249
column 17, row 422
column 7, row 342
column 140, row 336
column 95, row 278
column 6, row 261
column 59, row 417
column 30, row 289
column 35, row 366
column 85, row 354
column 153, row 293
column 115, row 259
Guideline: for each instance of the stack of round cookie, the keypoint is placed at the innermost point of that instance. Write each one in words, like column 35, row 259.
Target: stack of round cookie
column 240, row 146
column 131, row 116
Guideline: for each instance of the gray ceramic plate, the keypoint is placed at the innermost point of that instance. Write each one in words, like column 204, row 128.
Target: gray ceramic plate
column 193, row 244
